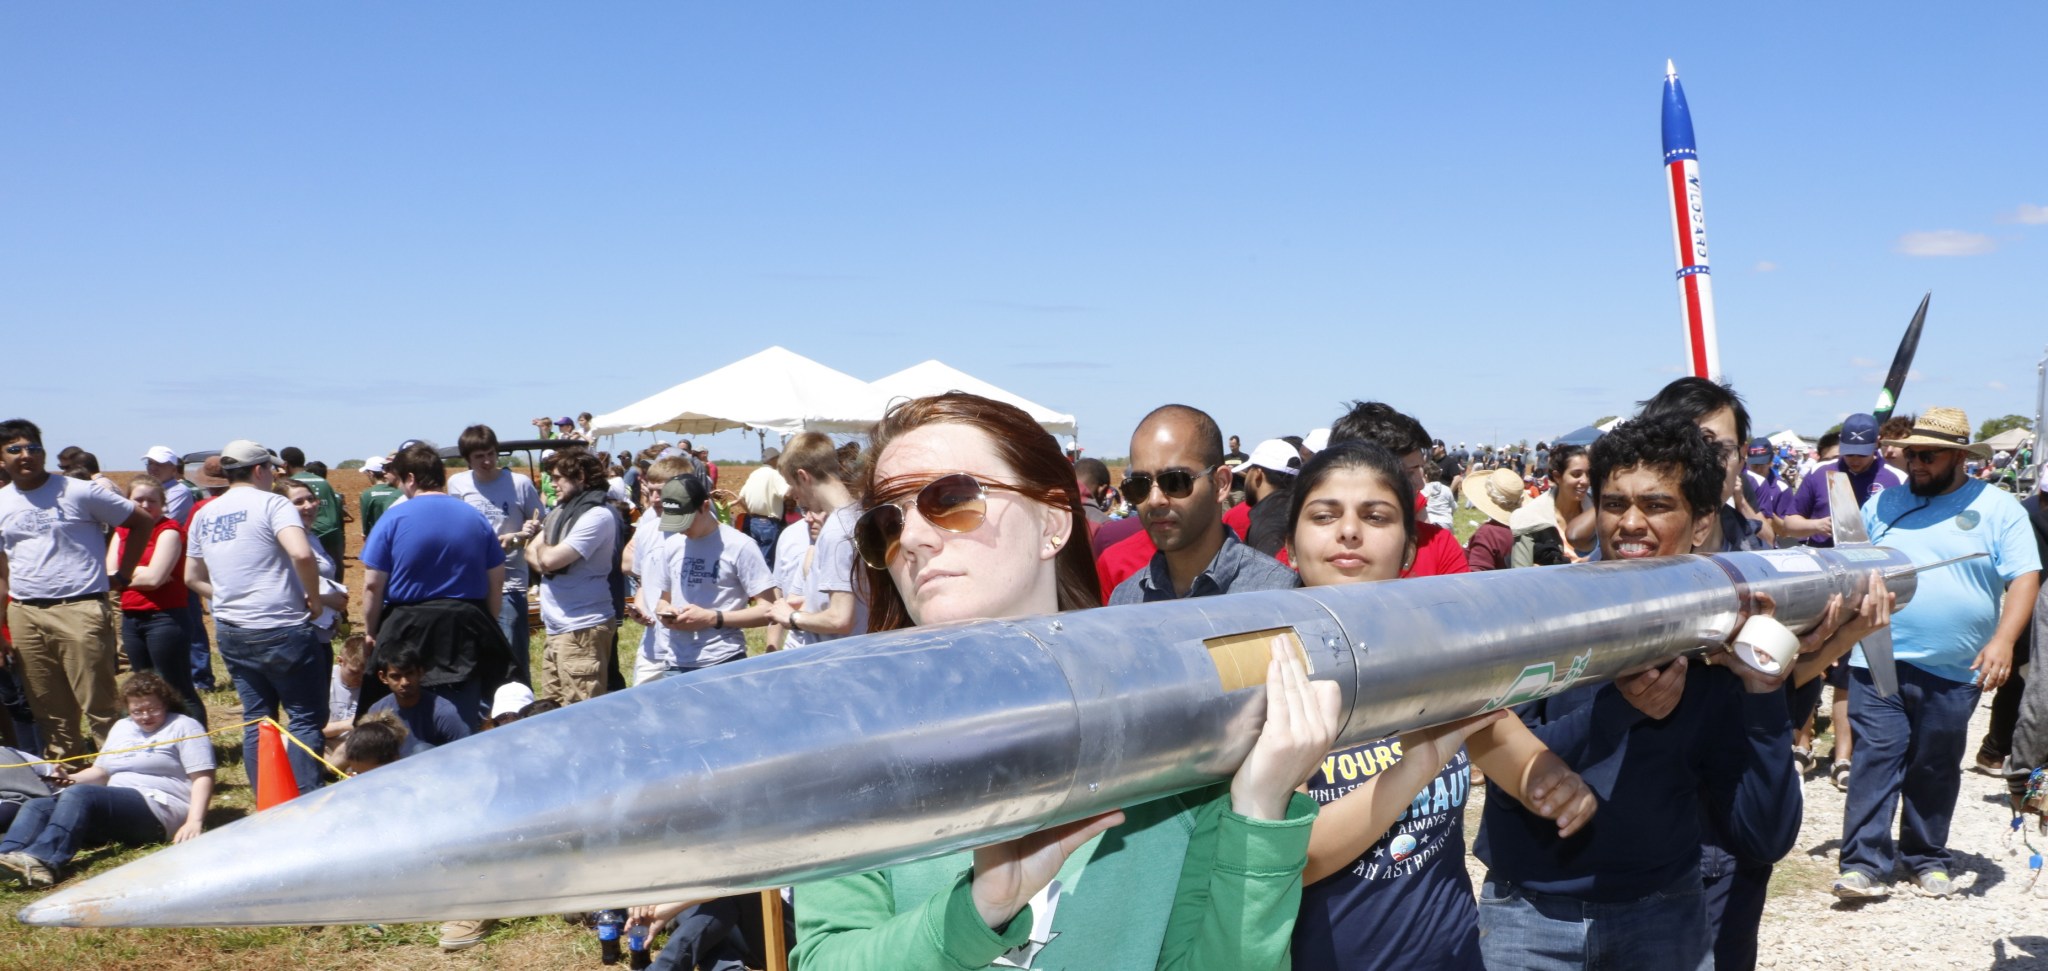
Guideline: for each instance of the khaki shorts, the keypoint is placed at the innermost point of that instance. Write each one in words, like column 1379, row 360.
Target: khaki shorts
column 572, row 665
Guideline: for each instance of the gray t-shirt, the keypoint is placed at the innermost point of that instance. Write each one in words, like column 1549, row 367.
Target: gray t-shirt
column 580, row 597
column 254, row 586
column 650, row 564
column 790, row 550
column 178, row 500
column 508, row 501
column 54, row 537
column 832, row 567
column 721, row 571
column 161, row 772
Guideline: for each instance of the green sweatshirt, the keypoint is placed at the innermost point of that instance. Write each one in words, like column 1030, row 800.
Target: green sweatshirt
column 1183, row 883
column 373, row 503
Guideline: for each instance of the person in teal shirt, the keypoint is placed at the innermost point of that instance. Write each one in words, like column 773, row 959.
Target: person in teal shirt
column 1206, row 879
column 1952, row 642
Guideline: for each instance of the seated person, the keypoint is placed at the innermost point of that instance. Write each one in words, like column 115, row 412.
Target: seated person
column 344, row 690
column 160, row 791
column 379, row 741
column 511, row 699
column 23, row 778
column 431, row 718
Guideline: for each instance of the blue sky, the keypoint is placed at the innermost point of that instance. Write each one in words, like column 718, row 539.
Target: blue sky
column 342, row 226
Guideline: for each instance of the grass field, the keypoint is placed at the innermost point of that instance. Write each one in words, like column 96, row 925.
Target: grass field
column 536, row 942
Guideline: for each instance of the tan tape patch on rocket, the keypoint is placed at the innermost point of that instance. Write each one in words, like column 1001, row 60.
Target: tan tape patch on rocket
column 1241, row 659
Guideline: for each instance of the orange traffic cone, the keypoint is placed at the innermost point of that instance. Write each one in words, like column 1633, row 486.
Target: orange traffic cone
column 274, row 782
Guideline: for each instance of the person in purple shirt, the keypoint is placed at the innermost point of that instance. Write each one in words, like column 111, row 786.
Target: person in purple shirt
column 1763, row 478
column 1805, row 512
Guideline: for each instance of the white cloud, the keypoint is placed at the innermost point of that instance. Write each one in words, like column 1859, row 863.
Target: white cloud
column 1944, row 242
column 1862, row 362
column 1825, row 392
column 1996, row 386
column 2029, row 214
column 1765, row 266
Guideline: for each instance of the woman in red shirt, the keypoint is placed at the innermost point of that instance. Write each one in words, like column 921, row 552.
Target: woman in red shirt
column 153, row 615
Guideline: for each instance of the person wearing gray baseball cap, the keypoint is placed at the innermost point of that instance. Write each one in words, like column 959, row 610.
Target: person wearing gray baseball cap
column 252, row 559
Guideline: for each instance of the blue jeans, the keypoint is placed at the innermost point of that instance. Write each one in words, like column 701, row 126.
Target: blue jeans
column 1908, row 748
column 286, row 667
column 512, row 621
column 202, row 649
column 1735, row 909
column 1542, row 932
column 54, row 828
column 155, row 641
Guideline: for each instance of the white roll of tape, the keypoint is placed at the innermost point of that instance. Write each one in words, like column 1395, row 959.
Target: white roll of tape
column 1766, row 645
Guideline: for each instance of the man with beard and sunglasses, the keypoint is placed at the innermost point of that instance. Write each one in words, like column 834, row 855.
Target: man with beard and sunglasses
column 1955, row 642
column 1177, row 482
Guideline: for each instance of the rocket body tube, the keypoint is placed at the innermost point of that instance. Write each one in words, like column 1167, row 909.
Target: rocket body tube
column 886, row 748
column 1689, row 231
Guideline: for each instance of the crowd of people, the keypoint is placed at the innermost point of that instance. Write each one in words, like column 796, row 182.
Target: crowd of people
column 1633, row 823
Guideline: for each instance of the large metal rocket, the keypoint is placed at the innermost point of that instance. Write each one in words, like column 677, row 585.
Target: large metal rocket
column 877, row 750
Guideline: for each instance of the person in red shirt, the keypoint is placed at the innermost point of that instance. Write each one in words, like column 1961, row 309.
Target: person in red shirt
column 153, row 606
column 1436, row 549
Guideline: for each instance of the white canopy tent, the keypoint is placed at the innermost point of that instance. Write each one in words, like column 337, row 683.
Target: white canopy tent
column 935, row 377
column 2010, row 439
column 776, row 389
column 1788, row 437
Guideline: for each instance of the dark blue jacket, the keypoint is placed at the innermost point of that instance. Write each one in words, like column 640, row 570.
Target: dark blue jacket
column 1723, row 755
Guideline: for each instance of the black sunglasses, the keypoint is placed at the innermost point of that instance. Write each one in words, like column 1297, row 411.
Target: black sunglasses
column 1924, row 456
column 1174, row 483
column 30, row 449
column 956, row 503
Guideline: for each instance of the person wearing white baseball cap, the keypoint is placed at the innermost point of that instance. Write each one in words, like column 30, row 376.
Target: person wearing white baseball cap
column 252, row 559
column 1268, row 488
column 163, row 465
column 378, row 498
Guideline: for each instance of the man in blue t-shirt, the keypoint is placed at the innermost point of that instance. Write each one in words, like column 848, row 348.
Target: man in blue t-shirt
column 1952, row 642
column 1670, row 752
column 433, row 570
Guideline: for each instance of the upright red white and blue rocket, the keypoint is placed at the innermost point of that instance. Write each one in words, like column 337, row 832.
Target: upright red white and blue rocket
column 1689, row 230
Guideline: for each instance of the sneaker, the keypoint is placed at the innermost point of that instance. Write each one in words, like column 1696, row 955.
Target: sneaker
column 1857, row 885
column 459, row 934
column 1989, row 763
column 1839, row 775
column 32, row 871
column 1935, row 883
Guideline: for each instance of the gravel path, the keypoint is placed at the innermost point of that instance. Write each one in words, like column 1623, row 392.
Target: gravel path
column 1994, row 922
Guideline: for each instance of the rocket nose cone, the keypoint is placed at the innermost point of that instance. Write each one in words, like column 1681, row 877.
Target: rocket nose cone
column 1670, row 71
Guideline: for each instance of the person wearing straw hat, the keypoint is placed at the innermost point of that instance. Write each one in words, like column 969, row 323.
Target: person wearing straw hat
column 1954, row 643
column 1497, row 494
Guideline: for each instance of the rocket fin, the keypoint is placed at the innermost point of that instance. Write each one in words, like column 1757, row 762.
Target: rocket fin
column 1847, row 519
column 1843, row 513
column 1884, row 671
